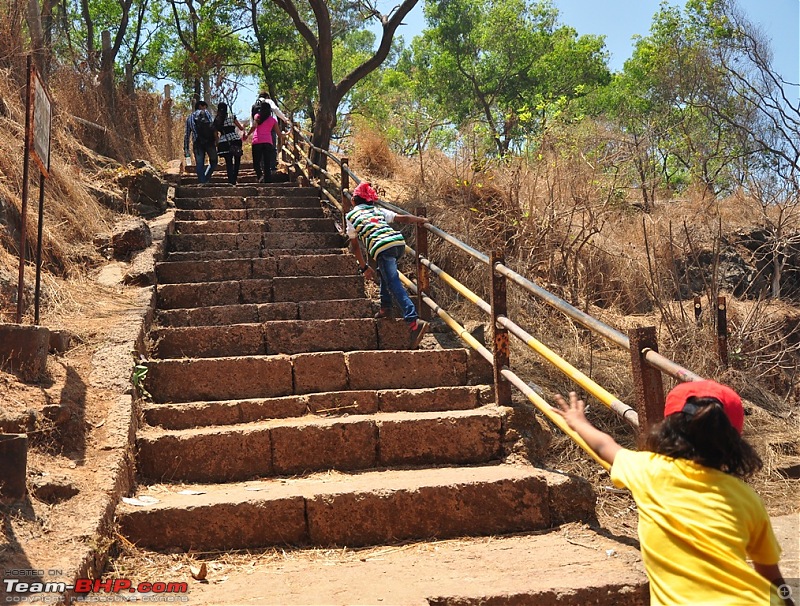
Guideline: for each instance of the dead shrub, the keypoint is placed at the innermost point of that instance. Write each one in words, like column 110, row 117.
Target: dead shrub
column 371, row 153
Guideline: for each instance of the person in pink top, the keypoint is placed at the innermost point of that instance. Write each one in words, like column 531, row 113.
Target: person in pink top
column 264, row 150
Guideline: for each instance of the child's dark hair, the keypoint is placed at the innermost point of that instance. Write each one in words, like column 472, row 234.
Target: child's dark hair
column 705, row 437
column 359, row 200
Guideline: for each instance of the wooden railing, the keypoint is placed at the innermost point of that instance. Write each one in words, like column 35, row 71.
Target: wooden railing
column 647, row 365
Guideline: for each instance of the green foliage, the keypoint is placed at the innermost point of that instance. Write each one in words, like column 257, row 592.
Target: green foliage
column 506, row 64
column 138, row 378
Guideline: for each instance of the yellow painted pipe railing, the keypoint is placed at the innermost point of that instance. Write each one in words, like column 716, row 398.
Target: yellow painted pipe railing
column 597, row 390
column 535, row 399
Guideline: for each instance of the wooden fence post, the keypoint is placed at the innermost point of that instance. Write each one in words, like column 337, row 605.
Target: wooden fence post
column 168, row 118
column 423, row 273
column 345, row 180
column 500, row 342
column 722, row 330
column 647, row 381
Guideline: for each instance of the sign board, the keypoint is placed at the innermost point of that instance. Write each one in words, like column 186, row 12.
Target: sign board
column 41, row 116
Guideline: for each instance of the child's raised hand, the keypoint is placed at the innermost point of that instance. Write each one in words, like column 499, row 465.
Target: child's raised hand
column 573, row 412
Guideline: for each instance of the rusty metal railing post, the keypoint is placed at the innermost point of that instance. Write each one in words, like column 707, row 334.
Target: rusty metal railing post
column 423, row 273
column 647, row 382
column 722, row 330
column 500, row 342
column 23, row 219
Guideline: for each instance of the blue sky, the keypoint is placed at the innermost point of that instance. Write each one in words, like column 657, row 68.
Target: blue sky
column 620, row 20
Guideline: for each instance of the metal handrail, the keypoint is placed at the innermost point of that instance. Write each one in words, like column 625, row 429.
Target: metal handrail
column 594, row 388
column 506, row 372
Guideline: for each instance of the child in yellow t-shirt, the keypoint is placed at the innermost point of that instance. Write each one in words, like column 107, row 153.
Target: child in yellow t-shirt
column 698, row 521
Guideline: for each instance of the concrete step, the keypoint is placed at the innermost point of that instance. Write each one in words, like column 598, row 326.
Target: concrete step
column 358, row 509
column 287, row 190
column 205, row 255
column 253, row 241
column 573, row 565
column 281, row 447
column 236, row 378
column 217, row 270
column 254, row 214
column 279, row 337
column 274, row 290
column 243, row 314
column 322, row 225
column 333, row 403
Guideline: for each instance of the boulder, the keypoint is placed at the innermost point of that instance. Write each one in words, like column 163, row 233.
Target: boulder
column 23, row 350
column 146, row 191
column 130, row 236
column 110, row 198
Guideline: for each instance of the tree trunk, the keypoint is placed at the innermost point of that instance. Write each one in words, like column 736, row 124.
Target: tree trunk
column 324, row 125
column 34, row 19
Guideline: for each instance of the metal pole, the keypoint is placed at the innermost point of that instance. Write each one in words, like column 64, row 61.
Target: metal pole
column 23, row 227
column 42, row 181
column 647, row 382
column 500, row 344
column 423, row 273
column 722, row 330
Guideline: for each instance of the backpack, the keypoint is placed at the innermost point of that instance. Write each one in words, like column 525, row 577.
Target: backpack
column 262, row 111
column 203, row 128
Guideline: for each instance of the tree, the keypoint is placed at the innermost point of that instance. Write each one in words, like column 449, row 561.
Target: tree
column 506, row 63
column 321, row 42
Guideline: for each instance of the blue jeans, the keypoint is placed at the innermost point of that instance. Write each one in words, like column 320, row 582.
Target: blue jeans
column 391, row 286
column 200, row 152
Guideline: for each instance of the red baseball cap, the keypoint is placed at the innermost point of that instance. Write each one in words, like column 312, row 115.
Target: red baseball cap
column 730, row 400
column 364, row 190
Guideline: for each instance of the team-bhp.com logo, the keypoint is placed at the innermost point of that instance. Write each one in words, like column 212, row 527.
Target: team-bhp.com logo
column 90, row 590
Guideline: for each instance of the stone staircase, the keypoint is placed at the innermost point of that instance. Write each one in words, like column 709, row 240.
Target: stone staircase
column 284, row 415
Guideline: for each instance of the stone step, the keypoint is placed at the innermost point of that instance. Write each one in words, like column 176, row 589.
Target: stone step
column 357, row 509
column 332, row 403
column 253, row 214
column 287, row 190
column 243, row 167
column 274, row 290
column 206, row 255
column 236, row 378
column 282, row 447
column 279, row 337
column 321, row 225
column 572, row 565
column 261, row 203
column 253, row 241
column 220, row 178
column 265, row 312
column 217, row 270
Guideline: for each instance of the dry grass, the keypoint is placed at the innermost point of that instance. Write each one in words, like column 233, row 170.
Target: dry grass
column 372, row 154
column 141, row 127
column 562, row 222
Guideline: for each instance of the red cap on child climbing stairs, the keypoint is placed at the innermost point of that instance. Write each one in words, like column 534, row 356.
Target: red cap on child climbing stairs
column 730, row 400
column 364, row 190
